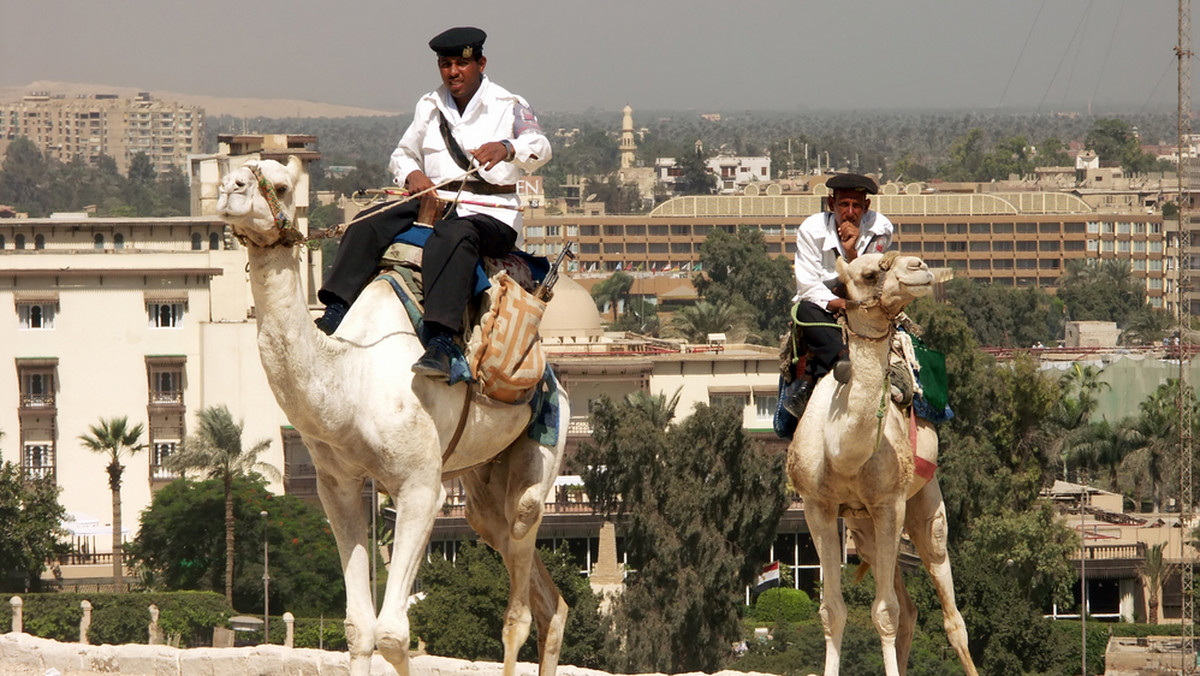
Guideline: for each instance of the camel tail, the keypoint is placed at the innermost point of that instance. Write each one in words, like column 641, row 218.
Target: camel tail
column 861, row 571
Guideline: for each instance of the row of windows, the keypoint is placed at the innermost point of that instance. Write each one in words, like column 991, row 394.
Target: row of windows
column 98, row 242
column 1106, row 246
column 700, row 230
column 41, row 316
column 37, row 460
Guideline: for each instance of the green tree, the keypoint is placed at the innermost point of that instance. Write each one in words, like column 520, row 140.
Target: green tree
column 1052, row 152
column 462, row 614
column 739, row 272
column 25, row 180
column 641, row 316
column 31, row 532
column 1115, row 144
column 1101, row 291
column 216, row 450
column 114, row 438
column 141, row 169
column 695, row 179
column 612, row 291
column 1154, row 571
column 181, row 546
column 1004, row 316
column 1154, row 434
column 699, row 504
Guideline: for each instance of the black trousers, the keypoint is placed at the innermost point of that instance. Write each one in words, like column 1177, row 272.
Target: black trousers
column 824, row 342
column 447, row 266
column 448, row 263
column 369, row 235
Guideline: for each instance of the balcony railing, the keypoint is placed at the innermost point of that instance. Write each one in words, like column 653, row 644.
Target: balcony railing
column 161, row 473
column 38, row 471
column 37, row 400
column 166, row 397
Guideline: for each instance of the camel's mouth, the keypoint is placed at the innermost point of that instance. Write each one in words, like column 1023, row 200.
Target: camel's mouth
column 234, row 198
column 919, row 287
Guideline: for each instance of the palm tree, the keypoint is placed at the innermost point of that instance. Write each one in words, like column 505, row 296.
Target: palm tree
column 656, row 407
column 114, row 438
column 216, row 449
column 1154, row 571
column 695, row 322
column 612, row 291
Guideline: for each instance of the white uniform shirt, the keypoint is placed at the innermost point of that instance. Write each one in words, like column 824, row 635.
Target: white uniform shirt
column 818, row 248
column 493, row 114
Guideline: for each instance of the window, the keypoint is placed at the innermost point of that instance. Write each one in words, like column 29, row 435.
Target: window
column 166, row 384
column 1027, row 246
column 956, row 228
column 165, row 315
column 1002, row 228
column 910, row 247
column 1093, row 245
column 1027, row 228
column 1073, row 245
column 36, row 380
column 1139, row 228
column 1049, row 246
column 99, row 241
column 764, row 406
column 39, row 241
column 981, row 228
column 1049, row 228
column 118, row 241
column 159, row 452
column 36, row 315
column 19, row 242
column 934, row 246
column 722, row 399
column 37, row 460
column 1002, row 246
column 2, row 242
column 1123, row 228
column 1139, row 246
column 1139, row 264
column 214, row 241
column 980, row 264
column 1093, row 227
column 196, row 241
column 551, row 230
column 956, row 246
column 934, row 228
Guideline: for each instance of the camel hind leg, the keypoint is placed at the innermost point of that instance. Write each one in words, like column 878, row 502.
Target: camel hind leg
column 925, row 523
column 504, row 505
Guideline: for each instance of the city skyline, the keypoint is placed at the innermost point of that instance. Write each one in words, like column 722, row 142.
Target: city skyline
column 668, row 55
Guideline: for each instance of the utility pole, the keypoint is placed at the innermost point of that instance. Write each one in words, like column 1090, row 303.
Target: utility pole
column 1183, row 52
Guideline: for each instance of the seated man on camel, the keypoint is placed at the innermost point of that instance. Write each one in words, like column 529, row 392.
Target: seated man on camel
column 849, row 228
column 471, row 139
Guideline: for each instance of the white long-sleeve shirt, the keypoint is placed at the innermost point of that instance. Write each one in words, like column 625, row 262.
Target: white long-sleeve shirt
column 818, row 248
column 493, row 114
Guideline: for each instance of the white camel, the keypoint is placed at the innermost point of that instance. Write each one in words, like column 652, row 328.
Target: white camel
column 363, row 414
column 852, row 456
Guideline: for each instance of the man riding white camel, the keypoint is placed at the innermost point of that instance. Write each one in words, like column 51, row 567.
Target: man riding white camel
column 472, row 139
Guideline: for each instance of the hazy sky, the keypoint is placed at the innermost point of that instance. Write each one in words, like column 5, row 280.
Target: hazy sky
column 566, row 55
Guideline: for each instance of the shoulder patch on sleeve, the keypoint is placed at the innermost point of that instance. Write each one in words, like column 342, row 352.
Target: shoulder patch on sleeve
column 524, row 121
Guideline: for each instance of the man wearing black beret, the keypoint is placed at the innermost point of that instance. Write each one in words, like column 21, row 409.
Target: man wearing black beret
column 474, row 139
column 849, row 228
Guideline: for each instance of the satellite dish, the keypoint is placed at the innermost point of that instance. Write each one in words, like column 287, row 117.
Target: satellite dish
column 891, row 189
column 750, row 190
column 912, row 189
column 591, row 198
column 820, row 190
column 774, row 190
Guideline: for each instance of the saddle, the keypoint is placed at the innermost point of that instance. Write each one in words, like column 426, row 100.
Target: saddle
column 502, row 349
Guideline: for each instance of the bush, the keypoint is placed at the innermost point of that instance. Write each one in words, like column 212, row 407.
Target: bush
column 122, row 618
column 313, row 632
column 780, row 603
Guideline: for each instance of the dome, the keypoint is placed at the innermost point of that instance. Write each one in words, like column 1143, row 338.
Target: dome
column 571, row 313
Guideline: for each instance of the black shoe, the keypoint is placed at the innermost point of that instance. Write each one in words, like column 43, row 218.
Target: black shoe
column 901, row 384
column 435, row 363
column 795, row 396
column 334, row 314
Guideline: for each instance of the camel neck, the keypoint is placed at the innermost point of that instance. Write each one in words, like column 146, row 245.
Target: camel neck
column 869, row 360
column 289, row 343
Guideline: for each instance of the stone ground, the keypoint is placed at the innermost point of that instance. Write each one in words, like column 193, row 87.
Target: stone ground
column 25, row 655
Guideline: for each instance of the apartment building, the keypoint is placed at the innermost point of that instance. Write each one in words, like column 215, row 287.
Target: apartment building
column 87, row 127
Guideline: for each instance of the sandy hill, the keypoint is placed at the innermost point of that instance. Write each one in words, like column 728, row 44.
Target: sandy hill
column 212, row 105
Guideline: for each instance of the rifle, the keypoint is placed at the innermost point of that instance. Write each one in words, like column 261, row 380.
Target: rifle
column 545, row 289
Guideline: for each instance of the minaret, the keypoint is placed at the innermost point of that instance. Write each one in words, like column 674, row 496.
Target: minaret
column 628, row 147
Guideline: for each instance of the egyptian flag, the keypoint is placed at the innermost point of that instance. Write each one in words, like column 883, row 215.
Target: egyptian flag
column 769, row 578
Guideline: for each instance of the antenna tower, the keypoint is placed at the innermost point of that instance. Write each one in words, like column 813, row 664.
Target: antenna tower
column 1183, row 52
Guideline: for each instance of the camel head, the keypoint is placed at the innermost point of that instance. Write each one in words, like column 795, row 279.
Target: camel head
column 888, row 282
column 258, row 201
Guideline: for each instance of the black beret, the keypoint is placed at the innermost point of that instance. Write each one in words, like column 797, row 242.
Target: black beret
column 464, row 41
column 853, row 182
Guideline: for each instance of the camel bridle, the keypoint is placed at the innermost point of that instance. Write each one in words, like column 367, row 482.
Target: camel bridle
column 289, row 234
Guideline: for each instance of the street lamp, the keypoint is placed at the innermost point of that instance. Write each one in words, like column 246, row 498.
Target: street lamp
column 266, row 585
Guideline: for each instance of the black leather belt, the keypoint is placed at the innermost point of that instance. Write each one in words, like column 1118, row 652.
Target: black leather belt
column 479, row 187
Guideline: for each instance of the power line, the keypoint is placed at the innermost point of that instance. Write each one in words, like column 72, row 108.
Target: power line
column 1108, row 48
column 1019, row 55
column 1064, row 56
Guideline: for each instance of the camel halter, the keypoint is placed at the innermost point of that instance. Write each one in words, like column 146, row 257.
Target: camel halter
column 290, row 235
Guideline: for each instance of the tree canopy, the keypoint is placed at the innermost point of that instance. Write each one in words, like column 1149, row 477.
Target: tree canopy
column 31, row 531
column 699, row 503
column 181, row 546
column 739, row 273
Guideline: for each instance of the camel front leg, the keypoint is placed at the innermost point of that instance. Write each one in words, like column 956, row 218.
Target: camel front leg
column 342, row 499
column 885, row 611
column 822, row 525
column 863, row 532
column 926, row 525
column 417, row 501
column 550, row 612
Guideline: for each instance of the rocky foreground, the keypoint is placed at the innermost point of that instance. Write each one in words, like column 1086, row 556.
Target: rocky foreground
column 25, row 655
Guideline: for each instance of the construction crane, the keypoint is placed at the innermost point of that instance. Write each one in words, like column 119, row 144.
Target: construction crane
column 1183, row 52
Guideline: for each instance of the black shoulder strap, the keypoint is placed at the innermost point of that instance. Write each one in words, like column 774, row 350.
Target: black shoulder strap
column 456, row 151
